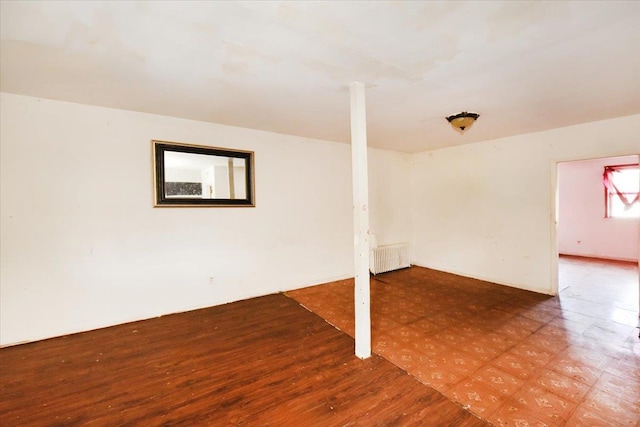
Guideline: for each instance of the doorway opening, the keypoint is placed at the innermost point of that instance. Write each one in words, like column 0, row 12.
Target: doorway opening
column 597, row 255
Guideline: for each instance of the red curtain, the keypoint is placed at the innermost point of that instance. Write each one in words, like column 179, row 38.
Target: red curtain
column 627, row 199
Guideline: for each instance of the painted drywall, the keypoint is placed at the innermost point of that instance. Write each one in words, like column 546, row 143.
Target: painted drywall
column 389, row 196
column 486, row 210
column 582, row 228
column 82, row 247
column 182, row 175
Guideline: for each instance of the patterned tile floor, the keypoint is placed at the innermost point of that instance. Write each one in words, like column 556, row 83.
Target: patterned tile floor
column 514, row 358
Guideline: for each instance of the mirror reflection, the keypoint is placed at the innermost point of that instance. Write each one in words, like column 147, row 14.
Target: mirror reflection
column 202, row 176
column 190, row 175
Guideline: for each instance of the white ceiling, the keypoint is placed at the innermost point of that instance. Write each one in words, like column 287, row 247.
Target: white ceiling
column 285, row 67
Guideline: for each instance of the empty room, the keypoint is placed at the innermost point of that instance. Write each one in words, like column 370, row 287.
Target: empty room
column 312, row 213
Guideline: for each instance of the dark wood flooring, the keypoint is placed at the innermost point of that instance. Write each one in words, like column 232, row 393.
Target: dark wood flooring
column 264, row 361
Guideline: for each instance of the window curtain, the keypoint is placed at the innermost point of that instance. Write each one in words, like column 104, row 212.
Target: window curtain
column 608, row 178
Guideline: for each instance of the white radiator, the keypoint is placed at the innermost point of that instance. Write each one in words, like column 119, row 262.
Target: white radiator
column 389, row 257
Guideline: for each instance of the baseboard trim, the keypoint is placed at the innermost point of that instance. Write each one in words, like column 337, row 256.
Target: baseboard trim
column 606, row 258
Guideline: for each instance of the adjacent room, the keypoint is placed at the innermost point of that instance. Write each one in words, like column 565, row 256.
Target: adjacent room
column 191, row 194
column 597, row 233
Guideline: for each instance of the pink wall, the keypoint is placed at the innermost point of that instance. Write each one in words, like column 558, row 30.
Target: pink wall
column 582, row 228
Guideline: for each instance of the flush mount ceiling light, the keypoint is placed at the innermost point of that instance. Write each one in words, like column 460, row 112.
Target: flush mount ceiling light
column 462, row 121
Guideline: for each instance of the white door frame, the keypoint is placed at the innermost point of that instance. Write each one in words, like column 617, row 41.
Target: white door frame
column 554, row 285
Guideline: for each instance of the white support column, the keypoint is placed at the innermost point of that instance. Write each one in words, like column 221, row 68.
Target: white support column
column 360, row 220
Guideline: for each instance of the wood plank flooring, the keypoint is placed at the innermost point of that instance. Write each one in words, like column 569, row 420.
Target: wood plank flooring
column 264, row 361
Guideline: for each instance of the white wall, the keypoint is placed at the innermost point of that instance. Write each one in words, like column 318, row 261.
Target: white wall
column 389, row 196
column 485, row 210
column 182, row 175
column 582, row 228
column 82, row 247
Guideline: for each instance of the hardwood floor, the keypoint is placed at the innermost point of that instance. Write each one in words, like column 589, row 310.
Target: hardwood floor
column 265, row 361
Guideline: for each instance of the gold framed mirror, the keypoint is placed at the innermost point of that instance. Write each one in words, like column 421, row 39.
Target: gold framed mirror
column 201, row 176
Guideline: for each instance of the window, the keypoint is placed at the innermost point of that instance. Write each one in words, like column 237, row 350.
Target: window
column 622, row 191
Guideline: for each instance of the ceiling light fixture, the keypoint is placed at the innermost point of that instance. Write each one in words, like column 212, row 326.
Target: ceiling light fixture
column 462, row 121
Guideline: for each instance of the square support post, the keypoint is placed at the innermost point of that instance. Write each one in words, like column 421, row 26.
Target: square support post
column 362, row 292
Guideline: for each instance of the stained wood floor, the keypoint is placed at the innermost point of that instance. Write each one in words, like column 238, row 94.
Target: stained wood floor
column 265, row 361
